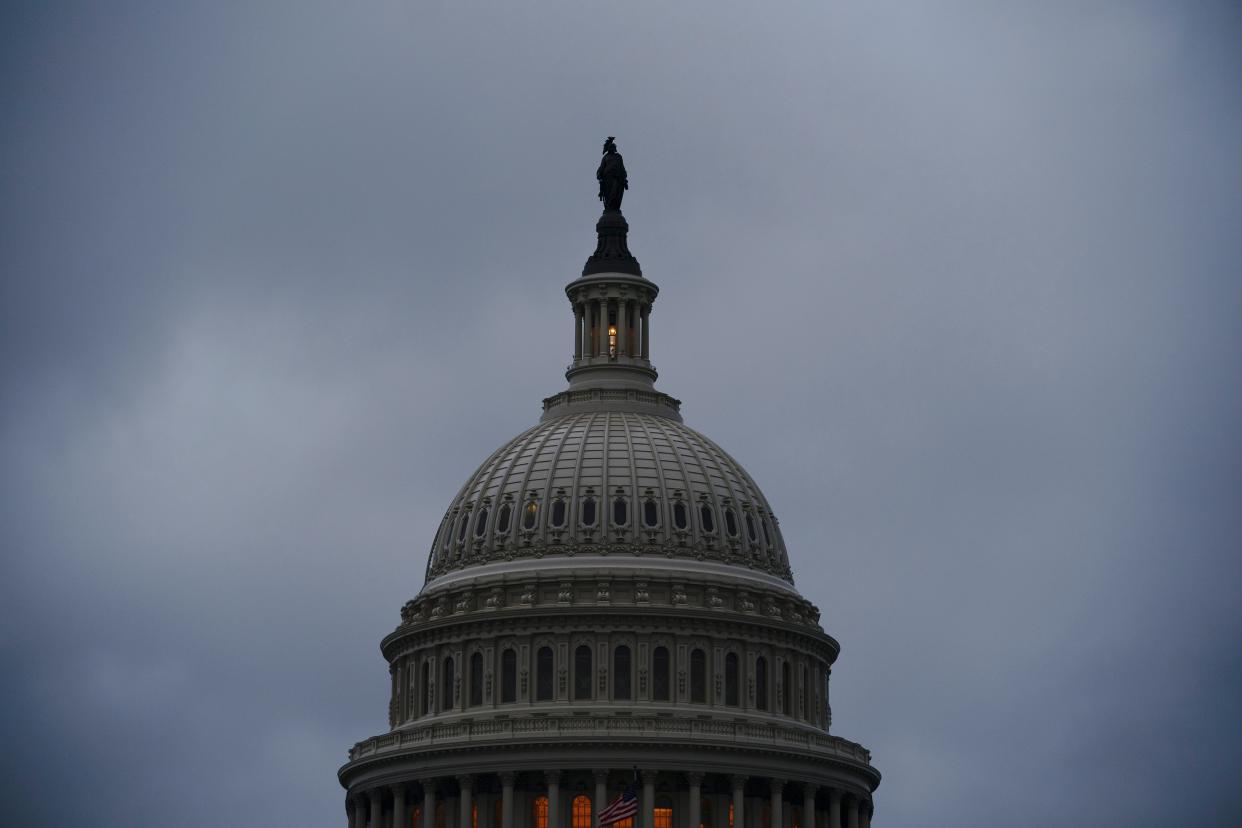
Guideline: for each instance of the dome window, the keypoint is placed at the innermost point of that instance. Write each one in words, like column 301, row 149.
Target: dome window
column 508, row 676
column 558, row 513
column 659, row 674
column 502, row 519
column 707, row 518
column 620, row 512
column 480, row 523
column 750, row 527
column 461, row 527
column 588, row 511
column 731, row 679
column 543, row 674
column 651, row 513
column 767, row 536
column 476, row 679
column 446, row 685
column 761, row 683
column 698, row 676
column 621, row 673
column 731, row 523
column 679, row 515
column 530, row 514
column 582, row 672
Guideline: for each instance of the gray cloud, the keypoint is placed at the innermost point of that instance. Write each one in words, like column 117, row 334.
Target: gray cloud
column 957, row 285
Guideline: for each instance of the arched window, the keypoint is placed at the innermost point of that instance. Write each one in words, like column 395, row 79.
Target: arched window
column 588, row 511
column 531, row 513
column 659, row 674
column 731, row 815
column 416, row 818
column 761, row 683
column 480, row 523
column 446, row 685
column 508, row 676
column 663, row 812
column 474, row 815
column 750, row 527
column 707, row 518
column 502, row 518
column 476, row 679
column 679, row 515
column 621, row 672
column 731, row 679
column 423, row 689
column 462, row 523
column 558, row 513
column 786, row 689
column 581, row 812
column 582, row 672
column 651, row 513
column 698, row 676
column 539, row 812
column 620, row 513
column 767, row 537
column 730, row 523
column 543, row 674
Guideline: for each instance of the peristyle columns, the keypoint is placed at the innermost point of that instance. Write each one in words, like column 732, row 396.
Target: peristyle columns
column 739, row 796
column 399, row 819
column 778, row 800
column 554, row 799
column 696, row 800
column 506, row 799
column 465, row 801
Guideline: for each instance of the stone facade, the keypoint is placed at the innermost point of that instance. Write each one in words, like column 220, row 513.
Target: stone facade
column 609, row 603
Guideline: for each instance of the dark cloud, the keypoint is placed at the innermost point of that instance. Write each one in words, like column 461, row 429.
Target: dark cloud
column 957, row 285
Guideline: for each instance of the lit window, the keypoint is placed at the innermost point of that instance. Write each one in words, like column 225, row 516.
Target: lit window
column 612, row 340
column 581, row 812
column 730, row 815
column 474, row 815
column 539, row 812
column 663, row 813
column 532, row 512
column 416, row 820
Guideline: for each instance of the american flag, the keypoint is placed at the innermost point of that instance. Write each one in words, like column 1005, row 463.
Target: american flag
column 623, row 807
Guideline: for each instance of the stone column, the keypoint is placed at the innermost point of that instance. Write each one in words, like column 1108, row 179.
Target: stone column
column 377, row 808
column 851, row 812
column 864, row 815
column 577, row 331
column 739, row 794
column 648, row 803
column 506, row 799
column 465, row 801
column 399, row 818
column 834, row 808
column 644, row 317
column 601, row 796
column 429, row 803
column 602, row 338
column 696, row 799
column 623, row 342
column 778, row 800
column 554, row 799
column 808, row 805
column 352, row 810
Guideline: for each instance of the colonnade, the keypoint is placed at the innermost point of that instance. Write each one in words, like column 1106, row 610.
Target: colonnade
column 548, row 799
column 591, row 326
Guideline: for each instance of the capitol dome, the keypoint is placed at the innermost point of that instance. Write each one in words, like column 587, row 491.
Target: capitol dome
column 609, row 616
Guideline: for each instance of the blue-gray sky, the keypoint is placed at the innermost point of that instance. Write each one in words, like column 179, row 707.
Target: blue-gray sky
column 958, row 283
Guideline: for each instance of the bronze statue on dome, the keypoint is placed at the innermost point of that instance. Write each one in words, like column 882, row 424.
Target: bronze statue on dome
column 611, row 174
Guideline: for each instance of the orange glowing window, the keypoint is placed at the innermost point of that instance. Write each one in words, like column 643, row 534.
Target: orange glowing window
column 416, row 819
column 474, row 815
column 582, row 812
column 730, row 815
column 539, row 812
column 628, row 822
column 663, row 813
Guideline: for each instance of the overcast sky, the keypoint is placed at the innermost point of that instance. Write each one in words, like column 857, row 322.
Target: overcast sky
column 959, row 284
